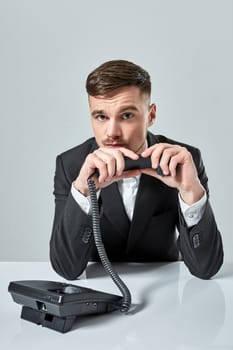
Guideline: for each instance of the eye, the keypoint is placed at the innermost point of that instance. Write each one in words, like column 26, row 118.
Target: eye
column 100, row 117
column 127, row 116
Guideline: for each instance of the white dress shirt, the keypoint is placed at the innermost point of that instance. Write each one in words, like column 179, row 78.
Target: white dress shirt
column 128, row 189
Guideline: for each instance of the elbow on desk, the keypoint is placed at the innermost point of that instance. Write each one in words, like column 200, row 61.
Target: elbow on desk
column 65, row 270
column 209, row 270
column 68, row 275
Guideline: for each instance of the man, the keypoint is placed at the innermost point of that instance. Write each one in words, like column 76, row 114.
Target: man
column 140, row 209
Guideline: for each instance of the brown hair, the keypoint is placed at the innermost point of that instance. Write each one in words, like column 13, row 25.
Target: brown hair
column 114, row 74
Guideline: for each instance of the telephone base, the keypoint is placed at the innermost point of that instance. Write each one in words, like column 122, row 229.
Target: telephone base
column 60, row 324
column 56, row 305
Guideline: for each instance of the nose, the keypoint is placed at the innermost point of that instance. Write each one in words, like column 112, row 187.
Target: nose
column 113, row 129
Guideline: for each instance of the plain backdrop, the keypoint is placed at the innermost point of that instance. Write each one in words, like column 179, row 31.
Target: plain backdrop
column 47, row 49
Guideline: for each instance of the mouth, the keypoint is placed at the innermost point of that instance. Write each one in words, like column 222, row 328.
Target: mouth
column 114, row 145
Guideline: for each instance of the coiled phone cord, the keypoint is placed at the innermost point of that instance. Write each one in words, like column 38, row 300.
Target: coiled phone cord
column 126, row 302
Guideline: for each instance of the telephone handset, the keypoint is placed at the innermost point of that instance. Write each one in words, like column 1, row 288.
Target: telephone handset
column 140, row 163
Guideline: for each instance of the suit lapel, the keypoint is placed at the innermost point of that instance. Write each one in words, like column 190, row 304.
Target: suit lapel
column 145, row 203
column 151, row 197
column 114, row 209
column 142, row 211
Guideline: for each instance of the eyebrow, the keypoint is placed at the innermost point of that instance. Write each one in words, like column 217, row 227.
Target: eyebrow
column 97, row 112
column 122, row 109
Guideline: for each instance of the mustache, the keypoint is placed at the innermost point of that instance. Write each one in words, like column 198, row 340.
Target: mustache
column 113, row 139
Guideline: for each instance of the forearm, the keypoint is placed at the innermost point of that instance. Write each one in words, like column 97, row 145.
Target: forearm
column 201, row 245
column 192, row 214
column 72, row 240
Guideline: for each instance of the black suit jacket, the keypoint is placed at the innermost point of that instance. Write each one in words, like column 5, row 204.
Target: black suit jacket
column 151, row 236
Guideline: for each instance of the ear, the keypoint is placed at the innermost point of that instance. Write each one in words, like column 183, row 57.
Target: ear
column 152, row 114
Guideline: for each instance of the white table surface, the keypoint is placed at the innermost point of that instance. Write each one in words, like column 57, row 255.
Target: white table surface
column 171, row 310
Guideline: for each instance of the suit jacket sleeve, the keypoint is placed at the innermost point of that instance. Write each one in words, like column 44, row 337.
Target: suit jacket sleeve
column 201, row 245
column 72, row 239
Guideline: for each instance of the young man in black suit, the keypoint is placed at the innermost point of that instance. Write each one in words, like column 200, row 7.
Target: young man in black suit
column 140, row 210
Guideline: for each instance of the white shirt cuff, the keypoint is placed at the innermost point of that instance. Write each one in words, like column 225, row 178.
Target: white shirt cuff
column 193, row 213
column 82, row 201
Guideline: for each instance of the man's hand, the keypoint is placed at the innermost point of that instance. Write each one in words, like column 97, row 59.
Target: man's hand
column 110, row 164
column 178, row 168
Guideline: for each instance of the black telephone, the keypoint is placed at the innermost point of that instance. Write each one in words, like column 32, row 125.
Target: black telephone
column 56, row 305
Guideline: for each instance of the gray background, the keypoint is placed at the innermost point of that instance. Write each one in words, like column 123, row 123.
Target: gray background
column 47, row 48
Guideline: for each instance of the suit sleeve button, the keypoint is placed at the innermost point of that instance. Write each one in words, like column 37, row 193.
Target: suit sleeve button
column 87, row 235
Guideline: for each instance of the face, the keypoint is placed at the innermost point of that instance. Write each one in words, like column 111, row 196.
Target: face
column 121, row 118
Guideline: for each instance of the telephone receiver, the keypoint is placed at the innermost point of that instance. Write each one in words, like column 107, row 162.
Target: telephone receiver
column 140, row 163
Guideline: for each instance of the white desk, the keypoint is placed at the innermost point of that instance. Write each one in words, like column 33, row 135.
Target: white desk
column 172, row 310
